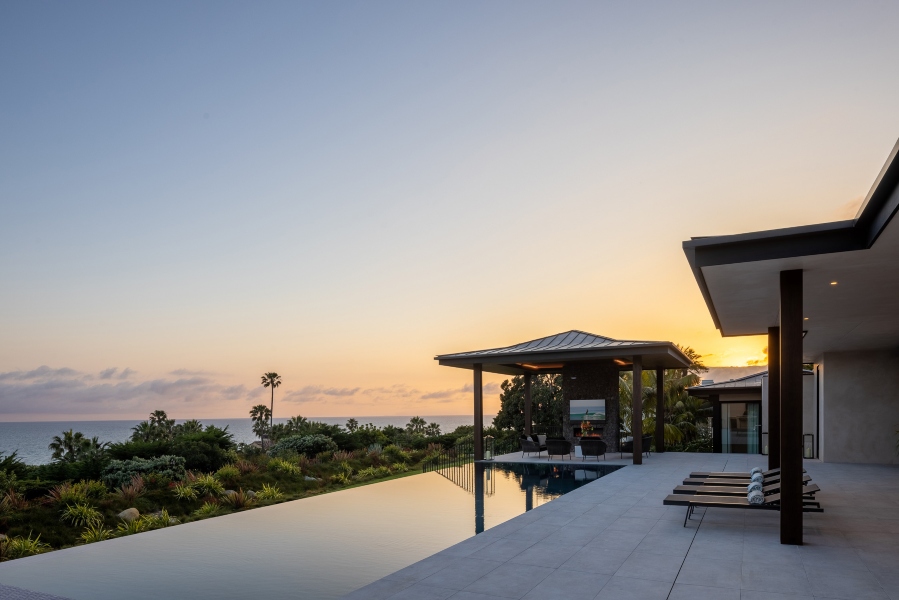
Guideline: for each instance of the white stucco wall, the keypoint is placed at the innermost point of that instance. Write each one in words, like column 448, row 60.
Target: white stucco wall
column 860, row 407
column 809, row 408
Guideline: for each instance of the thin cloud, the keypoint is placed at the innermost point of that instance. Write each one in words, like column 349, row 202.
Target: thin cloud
column 108, row 373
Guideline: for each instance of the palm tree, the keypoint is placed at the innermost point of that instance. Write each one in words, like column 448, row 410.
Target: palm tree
column 68, row 447
column 261, row 415
column 271, row 380
column 352, row 425
column 416, row 425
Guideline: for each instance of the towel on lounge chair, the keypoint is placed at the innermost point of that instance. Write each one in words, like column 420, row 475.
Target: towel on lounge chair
column 754, row 471
column 754, row 486
column 757, row 478
column 756, row 497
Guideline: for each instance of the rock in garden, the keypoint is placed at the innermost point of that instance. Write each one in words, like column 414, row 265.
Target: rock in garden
column 307, row 478
column 230, row 492
column 250, row 494
column 2, row 537
column 129, row 514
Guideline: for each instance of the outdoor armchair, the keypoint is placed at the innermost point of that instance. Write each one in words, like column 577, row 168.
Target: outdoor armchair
column 528, row 445
column 593, row 447
column 628, row 445
column 558, row 448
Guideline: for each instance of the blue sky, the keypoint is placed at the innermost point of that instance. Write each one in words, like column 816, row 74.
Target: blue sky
column 340, row 191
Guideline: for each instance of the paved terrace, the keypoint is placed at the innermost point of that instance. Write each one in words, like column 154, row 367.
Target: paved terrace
column 613, row 539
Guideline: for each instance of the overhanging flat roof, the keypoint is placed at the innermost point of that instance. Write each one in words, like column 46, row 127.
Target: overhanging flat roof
column 549, row 354
column 738, row 275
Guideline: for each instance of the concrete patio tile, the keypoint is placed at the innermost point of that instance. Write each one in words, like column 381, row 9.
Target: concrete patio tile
column 845, row 583
column 462, row 573
column 711, row 573
column 831, row 557
column 755, row 595
column 632, row 524
column 379, row 590
column 730, row 550
column 879, row 561
column 557, row 519
column 575, row 534
column 889, row 582
column 503, row 549
column 619, row 540
column 597, row 560
column 423, row 568
column 472, row 596
column 646, row 512
column 775, row 578
column 420, row 591
column 546, row 554
column 468, row 547
column 778, row 554
column 666, row 543
column 657, row 567
column 563, row 584
column 626, row 588
column 510, row 580
column 532, row 532
column 681, row 591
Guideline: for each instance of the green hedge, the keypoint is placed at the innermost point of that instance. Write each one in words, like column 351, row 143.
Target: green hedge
column 120, row 472
column 310, row 445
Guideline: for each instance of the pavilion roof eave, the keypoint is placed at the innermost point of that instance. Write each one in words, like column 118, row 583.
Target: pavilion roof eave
column 662, row 355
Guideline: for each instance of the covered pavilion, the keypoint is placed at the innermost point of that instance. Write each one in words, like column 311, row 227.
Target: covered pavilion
column 826, row 294
column 589, row 364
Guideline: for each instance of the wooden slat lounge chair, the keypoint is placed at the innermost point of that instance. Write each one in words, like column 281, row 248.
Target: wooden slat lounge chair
column 727, row 474
column 737, row 482
column 808, row 492
column 772, row 502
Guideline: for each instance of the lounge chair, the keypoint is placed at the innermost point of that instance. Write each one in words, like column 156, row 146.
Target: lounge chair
column 737, row 482
column 734, row 474
column 557, row 448
column 772, row 502
column 628, row 446
column 533, row 444
column 593, row 447
column 808, row 492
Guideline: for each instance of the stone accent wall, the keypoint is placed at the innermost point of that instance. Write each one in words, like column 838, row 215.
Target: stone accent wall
column 592, row 380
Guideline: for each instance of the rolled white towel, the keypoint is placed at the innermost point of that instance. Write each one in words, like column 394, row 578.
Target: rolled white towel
column 755, row 470
column 754, row 486
column 758, row 477
column 756, row 497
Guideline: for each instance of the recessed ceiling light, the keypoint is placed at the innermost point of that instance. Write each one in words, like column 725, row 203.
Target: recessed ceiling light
column 805, row 319
column 833, row 283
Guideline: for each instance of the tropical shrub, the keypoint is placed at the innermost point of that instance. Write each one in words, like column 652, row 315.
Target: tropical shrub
column 395, row 454
column 245, row 466
column 9, row 481
column 184, row 491
column 209, row 509
column 13, row 501
column 310, row 445
column 269, row 493
column 121, row 472
column 208, row 485
column 129, row 492
column 159, row 520
column 278, row 465
column 81, row 515
column 96, row 533
column 400, row 467
column 342, row 455
column 239, row 499
column 132, row 527
column 228, row 474
column 19, row 547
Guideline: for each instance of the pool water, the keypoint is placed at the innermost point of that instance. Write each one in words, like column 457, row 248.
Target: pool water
column 321, row 547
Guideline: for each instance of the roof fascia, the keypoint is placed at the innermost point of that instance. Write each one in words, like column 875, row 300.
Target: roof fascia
column 668, row 350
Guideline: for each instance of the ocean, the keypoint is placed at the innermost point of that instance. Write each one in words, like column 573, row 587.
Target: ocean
column 31, row 439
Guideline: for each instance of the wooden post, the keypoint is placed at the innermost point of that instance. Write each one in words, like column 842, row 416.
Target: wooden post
column 478, row 412
column 773, row 398
column 637, row 412
column 528, row 403
column 790, row 407
column 660, row 410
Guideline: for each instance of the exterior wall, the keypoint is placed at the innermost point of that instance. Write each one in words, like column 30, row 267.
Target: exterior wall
column 590, row 381
column 860, row 407
column 809, row 408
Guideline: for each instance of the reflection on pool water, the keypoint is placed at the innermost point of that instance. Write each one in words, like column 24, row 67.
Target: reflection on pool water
column 321, row 547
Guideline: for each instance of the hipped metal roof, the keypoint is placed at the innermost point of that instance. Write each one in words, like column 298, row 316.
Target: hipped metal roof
column 740, row 384
column 548, row 354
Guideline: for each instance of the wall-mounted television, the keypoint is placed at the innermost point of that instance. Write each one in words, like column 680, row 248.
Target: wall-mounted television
column 587, row 410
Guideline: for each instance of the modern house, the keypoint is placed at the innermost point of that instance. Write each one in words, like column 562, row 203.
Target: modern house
column 740, row 413
column 824, row 294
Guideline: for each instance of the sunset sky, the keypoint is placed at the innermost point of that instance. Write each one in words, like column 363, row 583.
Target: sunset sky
column 192, row 194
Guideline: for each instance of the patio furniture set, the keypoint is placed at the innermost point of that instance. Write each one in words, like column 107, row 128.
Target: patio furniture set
column 756, row 489
column 590, row 446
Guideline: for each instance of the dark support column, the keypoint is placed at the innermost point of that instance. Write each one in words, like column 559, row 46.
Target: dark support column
column 637, row 420
column 528, row 403
column 478, row 498
column 660, row 410
column 790, row 407
column 478, row 413
column 773, row 397
column 717, row 424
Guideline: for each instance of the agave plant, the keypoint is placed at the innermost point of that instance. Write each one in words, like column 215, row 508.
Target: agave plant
column 209, row 509
column 81, row 515
column 96, row 533
column 269, row 493
column 184, row 491
column 19, row 547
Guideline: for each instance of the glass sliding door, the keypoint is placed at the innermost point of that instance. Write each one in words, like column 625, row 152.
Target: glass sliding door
column 740, row 427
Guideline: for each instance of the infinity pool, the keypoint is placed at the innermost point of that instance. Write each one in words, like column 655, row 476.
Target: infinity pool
column 321, row 547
